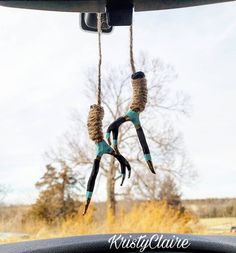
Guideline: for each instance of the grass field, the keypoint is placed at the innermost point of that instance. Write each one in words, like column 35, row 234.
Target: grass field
column 218, row 225
column 142, row 217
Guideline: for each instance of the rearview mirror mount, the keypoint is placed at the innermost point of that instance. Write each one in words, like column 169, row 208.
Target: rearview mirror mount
column 88, row 22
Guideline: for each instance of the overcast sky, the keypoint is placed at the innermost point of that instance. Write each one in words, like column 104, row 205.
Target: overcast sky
column 43, row 57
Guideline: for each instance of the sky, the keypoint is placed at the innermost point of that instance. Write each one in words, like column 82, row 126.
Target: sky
column 43, row 58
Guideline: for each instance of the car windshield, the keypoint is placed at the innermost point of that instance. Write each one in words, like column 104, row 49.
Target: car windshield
column 176, row 133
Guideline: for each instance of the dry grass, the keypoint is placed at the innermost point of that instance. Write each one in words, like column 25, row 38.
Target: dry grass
column 142, row 217
column 218, row 225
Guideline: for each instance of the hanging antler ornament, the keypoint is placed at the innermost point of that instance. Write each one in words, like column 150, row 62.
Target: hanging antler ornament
column 94, row 124
column 139, row 84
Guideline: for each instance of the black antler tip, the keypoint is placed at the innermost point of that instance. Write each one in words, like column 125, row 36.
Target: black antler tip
column 85, row 211
column 86, row 206
column 129, row 174
column 123, row 179
column 150, row 165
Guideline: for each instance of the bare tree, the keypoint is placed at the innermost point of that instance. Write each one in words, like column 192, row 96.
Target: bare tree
column 158, row 120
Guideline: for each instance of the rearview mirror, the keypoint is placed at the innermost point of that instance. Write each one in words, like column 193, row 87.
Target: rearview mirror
column 88, row 22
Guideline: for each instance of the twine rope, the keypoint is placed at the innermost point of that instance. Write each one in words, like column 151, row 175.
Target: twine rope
column 131, row 45
column 99, row 28
column 139, row 99
column 94, row 123
column 96, row 112
column 139, row 85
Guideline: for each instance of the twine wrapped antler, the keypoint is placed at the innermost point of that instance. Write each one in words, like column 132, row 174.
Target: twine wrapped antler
column 94, row 125
column 139, row 100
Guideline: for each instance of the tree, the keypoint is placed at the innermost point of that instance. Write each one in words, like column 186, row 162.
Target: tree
column 159, row 122
column 169, row 192
column 56, row 199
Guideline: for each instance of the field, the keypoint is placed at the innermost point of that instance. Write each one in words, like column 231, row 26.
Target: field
column 218, row 225
column 210, row 226
column 141, row 217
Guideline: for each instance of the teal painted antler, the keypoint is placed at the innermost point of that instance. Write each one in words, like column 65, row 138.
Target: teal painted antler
column 138, row 105
column 139, row 84
column 94, row 124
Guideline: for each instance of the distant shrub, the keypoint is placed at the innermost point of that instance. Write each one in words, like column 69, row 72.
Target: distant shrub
column 212, row 208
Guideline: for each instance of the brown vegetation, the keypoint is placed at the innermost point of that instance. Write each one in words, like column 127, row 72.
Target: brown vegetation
column 211, row 208
column 141, row 217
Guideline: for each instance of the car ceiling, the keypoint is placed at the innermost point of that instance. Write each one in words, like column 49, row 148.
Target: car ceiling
column 100, row 5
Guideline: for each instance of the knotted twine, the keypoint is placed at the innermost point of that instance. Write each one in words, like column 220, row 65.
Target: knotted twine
column 96, row 112
column 139, row 98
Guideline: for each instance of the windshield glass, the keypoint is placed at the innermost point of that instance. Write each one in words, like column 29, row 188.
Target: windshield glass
column 185, row 131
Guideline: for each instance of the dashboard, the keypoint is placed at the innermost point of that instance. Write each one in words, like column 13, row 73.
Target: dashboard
column 102, row 243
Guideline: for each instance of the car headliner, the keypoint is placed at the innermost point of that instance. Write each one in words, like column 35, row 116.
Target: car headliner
column 100, row 5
